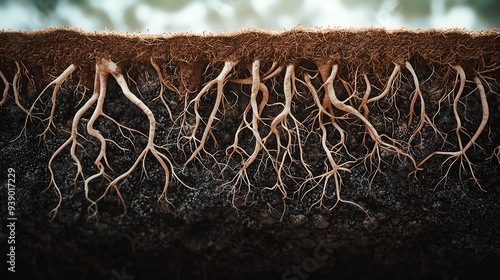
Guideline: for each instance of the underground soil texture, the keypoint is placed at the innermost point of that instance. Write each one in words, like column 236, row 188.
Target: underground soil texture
column 417, row 227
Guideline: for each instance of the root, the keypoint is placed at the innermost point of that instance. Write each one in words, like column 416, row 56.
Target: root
column 57, row 84
column 348, row 109
column 103, row 69
column 496, row 154
column 165, row 163
column 242, row 175
column 333, row 168
column 162, row 89
column 389, row 85
column 423, row 116
column 73, row 141
column 6, row 89
column 461, row 153
column 15, row 86
column 98, row 111
column 286, row 132
column 364, row 102
column 378, row 141
column 220, row 80
column 284, row 152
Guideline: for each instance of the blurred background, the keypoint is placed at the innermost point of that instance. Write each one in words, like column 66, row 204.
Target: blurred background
column 198, row 16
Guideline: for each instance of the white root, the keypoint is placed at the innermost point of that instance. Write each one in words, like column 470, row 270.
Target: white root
column 423, row 116
column 281, row 119
column 73, row 141
column 461, row 154
column 165, row 163
column 98, row 111
column 496, row 154
column 57, row 84
column 364, row 102
column 285, row 127
column 220, row 80
column 388, row 86
column 256, row 80
column 15, row 86
column 379, row 142
column 333, row 169
column 5, row 90
column 162, row 88
column 417, row 94
column 242, row 175
column 103, row 69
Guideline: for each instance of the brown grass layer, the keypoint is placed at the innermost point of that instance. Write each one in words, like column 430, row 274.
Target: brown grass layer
column 365, row 49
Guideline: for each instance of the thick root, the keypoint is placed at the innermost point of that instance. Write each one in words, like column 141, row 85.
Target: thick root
column 379, row 143
column 277, row 137
column 332, row 167
column 220, row 80
column 163, row 160
column 103, row 69
column 5, row 94
column 57, row 84
column 74, row 142
column 461, row 153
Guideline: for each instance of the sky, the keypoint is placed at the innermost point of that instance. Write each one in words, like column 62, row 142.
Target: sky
column 199, row 16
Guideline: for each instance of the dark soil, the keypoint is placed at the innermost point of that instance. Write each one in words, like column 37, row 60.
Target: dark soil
column 419, row 228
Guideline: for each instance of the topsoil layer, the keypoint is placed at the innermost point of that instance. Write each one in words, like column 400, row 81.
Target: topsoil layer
column 418, row 230
column 365, row 49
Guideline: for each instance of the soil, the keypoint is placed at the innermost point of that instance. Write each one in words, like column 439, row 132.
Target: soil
column 419, row 227
column 367, row 49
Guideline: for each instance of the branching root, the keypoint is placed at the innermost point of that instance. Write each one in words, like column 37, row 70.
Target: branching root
column 461, row 153
column 269, row 134
column 103, row 69
column 57, row 85
column 220, row 80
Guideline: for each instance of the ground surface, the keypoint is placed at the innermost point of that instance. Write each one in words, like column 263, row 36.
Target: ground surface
column 416, row 229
